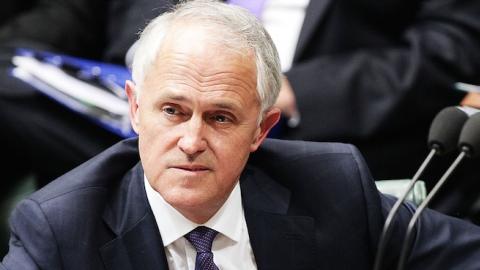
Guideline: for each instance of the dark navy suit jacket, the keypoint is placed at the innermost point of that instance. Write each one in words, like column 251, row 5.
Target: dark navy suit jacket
column 307, row 206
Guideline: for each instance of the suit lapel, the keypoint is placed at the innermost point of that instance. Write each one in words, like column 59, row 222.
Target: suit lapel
column 138, row 244
column 279, row 240
column 315, row 13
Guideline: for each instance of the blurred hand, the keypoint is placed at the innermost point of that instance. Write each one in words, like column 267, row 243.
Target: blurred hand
column 287, row 103
column 472, row 100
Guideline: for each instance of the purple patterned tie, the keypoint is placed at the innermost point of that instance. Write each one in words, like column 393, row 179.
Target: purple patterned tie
column 255, row 6
column 202, row 238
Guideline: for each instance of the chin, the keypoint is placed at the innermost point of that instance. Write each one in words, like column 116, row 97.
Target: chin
column 186, row 199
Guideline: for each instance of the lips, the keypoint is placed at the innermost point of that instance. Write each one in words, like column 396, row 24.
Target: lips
column 191, row 167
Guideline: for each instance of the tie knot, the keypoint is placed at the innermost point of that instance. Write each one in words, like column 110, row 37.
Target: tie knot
column 202, row 238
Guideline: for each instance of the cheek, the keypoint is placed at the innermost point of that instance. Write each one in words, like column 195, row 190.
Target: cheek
column 148, row 116
column 155, row 147
column 155, row 129
column 235, row 144
column 229, row 144
column 231, row 156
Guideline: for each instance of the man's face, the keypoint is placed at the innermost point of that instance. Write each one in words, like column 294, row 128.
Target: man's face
column 197, row 118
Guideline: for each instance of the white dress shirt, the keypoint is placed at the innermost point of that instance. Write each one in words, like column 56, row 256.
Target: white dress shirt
column 231, row 248
column 283, row 20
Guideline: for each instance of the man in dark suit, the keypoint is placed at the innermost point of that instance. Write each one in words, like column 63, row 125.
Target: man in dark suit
column 361, row 72
column 188, row 195
column 307, row 206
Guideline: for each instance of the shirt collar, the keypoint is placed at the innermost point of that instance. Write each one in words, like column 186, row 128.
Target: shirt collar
column 173, row 225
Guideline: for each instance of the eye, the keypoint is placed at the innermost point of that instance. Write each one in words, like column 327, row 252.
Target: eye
column 173, row 112
column 221, row 118
column 170, row 110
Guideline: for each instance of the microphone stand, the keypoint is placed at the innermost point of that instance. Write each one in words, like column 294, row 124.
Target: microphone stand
column 423, row 205
column 384, row 237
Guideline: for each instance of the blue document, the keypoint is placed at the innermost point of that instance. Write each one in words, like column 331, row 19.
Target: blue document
column 92, row 89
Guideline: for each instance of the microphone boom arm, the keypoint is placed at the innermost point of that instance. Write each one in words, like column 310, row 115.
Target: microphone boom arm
column 384, row 237
column 423, row 205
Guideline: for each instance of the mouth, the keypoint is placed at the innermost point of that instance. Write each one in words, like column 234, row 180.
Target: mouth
column 191, row 168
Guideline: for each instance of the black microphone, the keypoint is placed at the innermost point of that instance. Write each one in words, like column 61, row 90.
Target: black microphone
column 442, row 138
column 469, row 144
column 469, row 138
column 446, row 127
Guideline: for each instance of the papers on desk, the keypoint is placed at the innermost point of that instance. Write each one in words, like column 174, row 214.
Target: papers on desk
column 92, row 89
column 465, row 87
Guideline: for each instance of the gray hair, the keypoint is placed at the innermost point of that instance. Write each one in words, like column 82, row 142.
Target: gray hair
column 235, row 28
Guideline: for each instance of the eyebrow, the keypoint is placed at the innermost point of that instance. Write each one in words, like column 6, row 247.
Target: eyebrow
column 174, row 97
column 226, row 106
column 221, row 105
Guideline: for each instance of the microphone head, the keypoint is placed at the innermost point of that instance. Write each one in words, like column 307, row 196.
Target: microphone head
column 470, row 136
column 445, row 129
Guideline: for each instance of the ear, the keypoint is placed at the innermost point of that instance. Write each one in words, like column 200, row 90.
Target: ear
column 133, row 104
column 270, row 118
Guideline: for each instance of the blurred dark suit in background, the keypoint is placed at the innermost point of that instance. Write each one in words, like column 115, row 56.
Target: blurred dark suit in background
column 375, row 74
column 12, row 8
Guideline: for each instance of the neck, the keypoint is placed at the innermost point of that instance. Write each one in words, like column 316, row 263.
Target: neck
column 198, row 215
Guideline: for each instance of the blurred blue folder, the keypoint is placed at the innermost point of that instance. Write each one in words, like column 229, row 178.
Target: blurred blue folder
column 92, row 89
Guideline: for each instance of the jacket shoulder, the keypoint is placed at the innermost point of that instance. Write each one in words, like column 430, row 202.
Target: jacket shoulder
column 286, row 151
column 97, row 174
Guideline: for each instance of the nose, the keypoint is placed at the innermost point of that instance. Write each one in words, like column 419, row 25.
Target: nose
column 193, row 141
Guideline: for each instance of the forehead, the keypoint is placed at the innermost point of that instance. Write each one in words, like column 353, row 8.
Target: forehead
column 192, row 57
column 202, row 38
column 205, row 48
